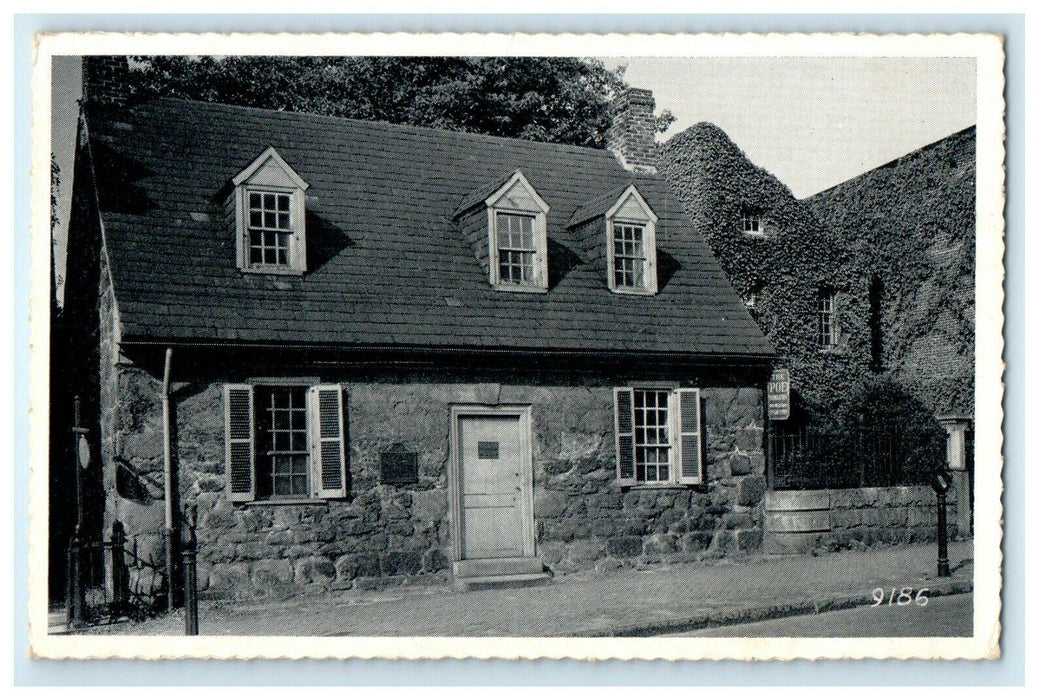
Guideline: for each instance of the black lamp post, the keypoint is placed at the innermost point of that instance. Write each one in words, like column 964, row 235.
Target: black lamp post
column 940, row 483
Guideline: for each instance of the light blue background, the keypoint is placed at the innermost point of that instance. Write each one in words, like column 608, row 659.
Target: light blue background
column 1008, row 671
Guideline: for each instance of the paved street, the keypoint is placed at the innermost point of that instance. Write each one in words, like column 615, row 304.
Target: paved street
column 624, row 602
column 948, row 616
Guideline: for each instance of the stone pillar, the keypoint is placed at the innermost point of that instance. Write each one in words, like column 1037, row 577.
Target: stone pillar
column 957, row 427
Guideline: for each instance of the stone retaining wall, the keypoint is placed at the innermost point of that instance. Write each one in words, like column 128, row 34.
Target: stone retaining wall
column 798, row 521
column 382, row 534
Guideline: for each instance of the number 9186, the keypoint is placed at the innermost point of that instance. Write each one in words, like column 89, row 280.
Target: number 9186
column 900, row 597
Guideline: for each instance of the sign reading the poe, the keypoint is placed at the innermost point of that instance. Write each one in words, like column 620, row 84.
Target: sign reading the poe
column 778, row 390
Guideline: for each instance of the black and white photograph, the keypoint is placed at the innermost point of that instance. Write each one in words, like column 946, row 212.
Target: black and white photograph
column 560, row 350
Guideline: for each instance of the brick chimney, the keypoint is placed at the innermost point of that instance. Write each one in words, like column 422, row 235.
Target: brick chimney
column 631, row 136
column 105, row 80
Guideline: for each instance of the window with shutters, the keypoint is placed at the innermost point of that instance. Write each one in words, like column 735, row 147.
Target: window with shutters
column 658, row 436
column 268, row 198
column 285, row 441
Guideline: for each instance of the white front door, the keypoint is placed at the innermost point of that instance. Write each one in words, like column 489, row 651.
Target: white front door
column 496, row 517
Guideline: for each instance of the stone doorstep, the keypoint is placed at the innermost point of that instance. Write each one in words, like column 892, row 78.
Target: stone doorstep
column 486, row 583
column 506, row 566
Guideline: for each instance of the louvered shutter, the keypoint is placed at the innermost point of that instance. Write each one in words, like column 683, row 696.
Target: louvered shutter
column 239, row 442
column 623, row 420
column 327, row 429
column 690, row 471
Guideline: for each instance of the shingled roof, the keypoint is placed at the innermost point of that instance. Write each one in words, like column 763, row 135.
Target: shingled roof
column 387, row 264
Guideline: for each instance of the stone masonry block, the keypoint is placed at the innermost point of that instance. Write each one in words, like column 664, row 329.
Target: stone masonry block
column 750, row 490
column 725, row 541
column 697, row 541
column 351, row 566
column 624, row 546
column 584, row 551
column 229, row 576
column 314, row 570
column 660, row 545
column 271, row 571
column 750, row 539
column 429, row 505
column 400, row 563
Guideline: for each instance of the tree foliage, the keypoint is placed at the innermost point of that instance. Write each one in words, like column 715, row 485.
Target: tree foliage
column 561, row 100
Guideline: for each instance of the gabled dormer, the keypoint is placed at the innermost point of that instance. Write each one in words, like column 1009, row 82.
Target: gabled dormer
column 505, row 223
column 266, row 207
column 621, row 228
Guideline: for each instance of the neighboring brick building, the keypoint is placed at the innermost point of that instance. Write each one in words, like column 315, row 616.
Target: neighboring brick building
column 396, row 352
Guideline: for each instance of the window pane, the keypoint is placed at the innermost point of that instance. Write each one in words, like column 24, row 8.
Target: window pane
column 282, row 441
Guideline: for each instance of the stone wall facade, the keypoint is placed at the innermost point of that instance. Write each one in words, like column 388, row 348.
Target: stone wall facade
column 385, row 535
column 798, row 521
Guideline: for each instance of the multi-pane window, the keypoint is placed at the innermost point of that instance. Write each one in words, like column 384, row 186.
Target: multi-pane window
column 282, row 441
column 653, row 443
column 629, row 256
column 752, row 221
column 517, row 249
column 269, row 228
column 827, row 319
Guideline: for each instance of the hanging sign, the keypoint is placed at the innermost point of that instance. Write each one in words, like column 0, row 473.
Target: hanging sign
column 778, row 390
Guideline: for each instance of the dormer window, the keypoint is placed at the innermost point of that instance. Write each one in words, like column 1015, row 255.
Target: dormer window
column 269, row 201
column 517, row 237
column 631, row 246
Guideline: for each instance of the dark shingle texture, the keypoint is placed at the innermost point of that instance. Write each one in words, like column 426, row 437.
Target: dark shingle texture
column 384, row 254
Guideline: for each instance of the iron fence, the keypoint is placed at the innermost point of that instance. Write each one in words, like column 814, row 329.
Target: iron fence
column 824, row 458
column 109, row 579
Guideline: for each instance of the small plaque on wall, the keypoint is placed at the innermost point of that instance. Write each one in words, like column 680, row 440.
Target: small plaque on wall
column 399, row 466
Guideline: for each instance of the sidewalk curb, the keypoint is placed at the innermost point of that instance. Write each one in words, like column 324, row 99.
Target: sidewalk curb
column 740, row 615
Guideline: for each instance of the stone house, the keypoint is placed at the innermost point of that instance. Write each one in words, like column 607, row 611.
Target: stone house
column 365, row 354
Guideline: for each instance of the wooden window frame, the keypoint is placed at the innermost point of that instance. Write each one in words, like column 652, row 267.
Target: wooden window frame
column 296, row 249
column 253, row 180
column 540, row 227
column 758, row 216
column 267, row 471
column 676, row 479
column 829, row 330
column 649, row 226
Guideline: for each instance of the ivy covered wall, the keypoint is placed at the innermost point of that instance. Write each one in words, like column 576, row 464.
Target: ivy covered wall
column 780, row 272
column 912, row 225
